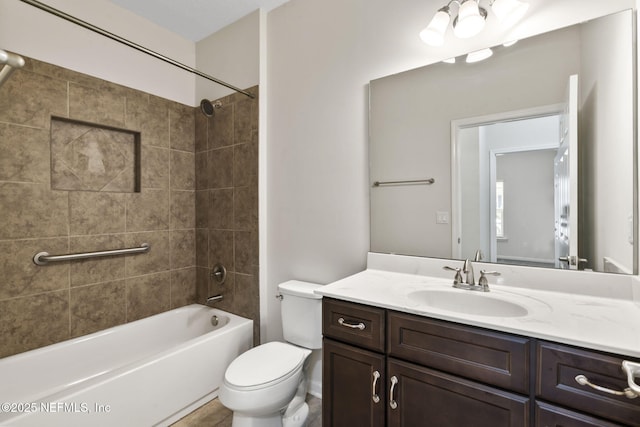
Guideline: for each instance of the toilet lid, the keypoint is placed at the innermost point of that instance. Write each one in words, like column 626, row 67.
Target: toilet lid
column 264, row 364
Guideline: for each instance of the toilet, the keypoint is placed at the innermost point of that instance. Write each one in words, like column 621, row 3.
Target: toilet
column 267, row 385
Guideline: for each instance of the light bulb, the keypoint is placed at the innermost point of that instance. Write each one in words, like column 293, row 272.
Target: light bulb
column 469, row 21
column 509, row 12
column 479, row 55
column 434, row 33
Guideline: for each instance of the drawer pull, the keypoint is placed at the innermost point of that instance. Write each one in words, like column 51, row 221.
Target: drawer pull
column 582, row 380
column 392, row 402
column 632, row 370
column 360, row 325
column 374, row 395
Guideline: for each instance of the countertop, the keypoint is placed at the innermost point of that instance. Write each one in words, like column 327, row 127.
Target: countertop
column 594, row 322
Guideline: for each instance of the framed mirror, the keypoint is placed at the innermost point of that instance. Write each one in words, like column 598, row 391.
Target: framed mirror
column 475, row 159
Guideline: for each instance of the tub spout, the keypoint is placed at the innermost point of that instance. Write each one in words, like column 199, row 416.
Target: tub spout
column 214, row 298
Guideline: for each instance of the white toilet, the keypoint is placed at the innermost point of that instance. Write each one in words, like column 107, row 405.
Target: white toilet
column 267, row 385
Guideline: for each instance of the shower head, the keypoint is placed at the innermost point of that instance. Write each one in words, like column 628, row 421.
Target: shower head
column 208, row 108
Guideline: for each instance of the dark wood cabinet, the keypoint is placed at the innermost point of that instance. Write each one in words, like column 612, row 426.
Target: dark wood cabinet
column 558, row 367
column 430, row 398
column 353, row 392
column 386, row 368
column 554, row 416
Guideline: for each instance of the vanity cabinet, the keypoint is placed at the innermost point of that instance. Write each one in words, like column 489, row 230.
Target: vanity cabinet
column 386, row 368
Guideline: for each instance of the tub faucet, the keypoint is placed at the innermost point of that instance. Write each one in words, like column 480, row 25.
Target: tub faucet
column 467, row 269
column 214, row 298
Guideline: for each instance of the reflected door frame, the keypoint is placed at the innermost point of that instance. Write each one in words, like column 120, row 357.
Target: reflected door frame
column 456, row 182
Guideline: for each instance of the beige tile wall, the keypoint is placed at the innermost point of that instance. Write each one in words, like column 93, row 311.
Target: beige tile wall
column 227, row 204
column 44, row 305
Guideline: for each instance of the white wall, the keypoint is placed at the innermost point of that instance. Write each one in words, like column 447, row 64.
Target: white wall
column 29, row 31
column 231, row 55
column 606, row 145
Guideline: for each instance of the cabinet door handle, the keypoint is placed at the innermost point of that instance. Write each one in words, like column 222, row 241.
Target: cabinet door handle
column 582, row 380
column 392, row 402
column 632, row 369
column 346, row 324
column 374, row 395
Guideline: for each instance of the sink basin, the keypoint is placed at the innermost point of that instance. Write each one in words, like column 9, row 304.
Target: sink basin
column 468, row 302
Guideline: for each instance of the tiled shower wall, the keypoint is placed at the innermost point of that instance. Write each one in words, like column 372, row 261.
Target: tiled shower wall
column 227, row 204
column 48, row 304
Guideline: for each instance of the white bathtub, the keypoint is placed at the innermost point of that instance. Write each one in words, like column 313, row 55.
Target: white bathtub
column 145, row 373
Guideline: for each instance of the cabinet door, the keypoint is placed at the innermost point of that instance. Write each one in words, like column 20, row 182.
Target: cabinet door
column 428, row 398
column 353, row 392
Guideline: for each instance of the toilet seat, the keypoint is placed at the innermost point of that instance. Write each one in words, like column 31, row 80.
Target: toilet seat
column 265, row 366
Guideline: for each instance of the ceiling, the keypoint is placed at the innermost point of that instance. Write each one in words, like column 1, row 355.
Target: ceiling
column 195, row 19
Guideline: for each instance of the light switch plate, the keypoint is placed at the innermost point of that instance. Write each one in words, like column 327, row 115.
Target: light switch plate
column 442, row 217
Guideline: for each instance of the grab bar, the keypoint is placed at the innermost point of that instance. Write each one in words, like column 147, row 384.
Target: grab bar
column 416, row 181
column 43, row 258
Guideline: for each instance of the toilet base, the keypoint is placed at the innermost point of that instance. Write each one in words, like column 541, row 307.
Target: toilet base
column 242, row 420
column 298, row 418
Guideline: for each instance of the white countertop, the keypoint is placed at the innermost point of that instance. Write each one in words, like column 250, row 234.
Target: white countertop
column 595, row 322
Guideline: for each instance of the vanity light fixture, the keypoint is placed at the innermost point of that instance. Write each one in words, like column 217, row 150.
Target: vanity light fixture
column 470, row 18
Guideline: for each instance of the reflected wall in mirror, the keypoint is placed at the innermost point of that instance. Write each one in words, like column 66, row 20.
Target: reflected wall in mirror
column 494, row 137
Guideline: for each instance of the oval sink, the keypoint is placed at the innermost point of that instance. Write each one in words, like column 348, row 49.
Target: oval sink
column 468, row 302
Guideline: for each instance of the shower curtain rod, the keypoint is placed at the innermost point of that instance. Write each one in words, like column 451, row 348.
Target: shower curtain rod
column 10, row 62
column 131, row 44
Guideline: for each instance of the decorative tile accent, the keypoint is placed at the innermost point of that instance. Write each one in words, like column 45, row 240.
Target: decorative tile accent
column 93, row 158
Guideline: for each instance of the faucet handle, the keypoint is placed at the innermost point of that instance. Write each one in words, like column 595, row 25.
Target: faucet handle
column 483, row 279
column 458, row 278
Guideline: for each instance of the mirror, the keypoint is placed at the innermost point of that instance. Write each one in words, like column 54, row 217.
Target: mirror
column 474, row 159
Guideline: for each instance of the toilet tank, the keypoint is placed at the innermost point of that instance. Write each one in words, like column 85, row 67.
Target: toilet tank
column 301, row 313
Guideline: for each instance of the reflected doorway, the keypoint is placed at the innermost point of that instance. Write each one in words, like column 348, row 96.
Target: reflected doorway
column 504, row 175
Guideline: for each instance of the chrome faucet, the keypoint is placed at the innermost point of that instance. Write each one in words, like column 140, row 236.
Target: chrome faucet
column 468, row 282
column 467, row 269
column 214, row 298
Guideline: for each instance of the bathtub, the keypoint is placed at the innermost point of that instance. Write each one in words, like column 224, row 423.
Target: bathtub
column 145, row 373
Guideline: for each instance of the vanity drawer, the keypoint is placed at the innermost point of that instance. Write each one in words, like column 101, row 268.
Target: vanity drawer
column 491, row 357
column 555, row 416
column 558, row 366
column 353, row 323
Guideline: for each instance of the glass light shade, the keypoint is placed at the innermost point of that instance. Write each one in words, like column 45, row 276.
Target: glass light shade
column 434, row 33
column 509, row 12
column 479, row 55
column 469, row 21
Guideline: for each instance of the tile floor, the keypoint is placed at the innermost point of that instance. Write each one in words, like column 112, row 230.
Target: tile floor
column 213, row 414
